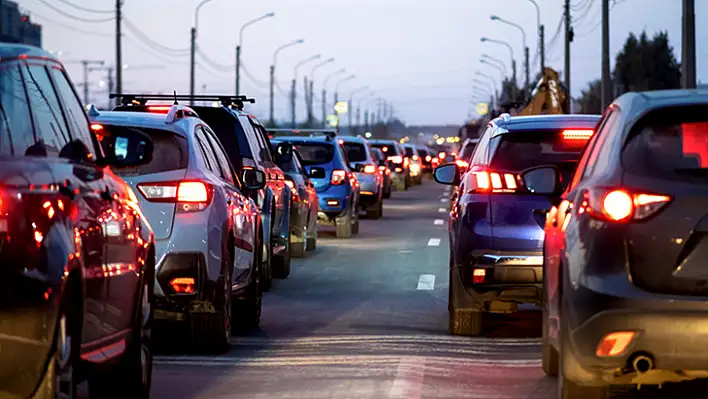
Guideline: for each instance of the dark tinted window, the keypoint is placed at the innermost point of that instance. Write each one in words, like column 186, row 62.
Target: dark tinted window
column 229, row 131
column 227, row 173
column 315, row 153
column 356, row 152
column 378, row 154
column 409, row 152
column 169, row 151
column 389, row 149
column 210, row 158
column 49, row 123
column 422, row 153
column 518, row 151
column 467, row 151
column 73, row 110
column 670, row 144
column 16, row 132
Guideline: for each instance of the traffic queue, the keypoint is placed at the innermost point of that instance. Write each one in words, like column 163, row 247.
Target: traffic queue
column 156, row 217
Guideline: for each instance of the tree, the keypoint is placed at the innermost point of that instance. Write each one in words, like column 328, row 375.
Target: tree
column 590, row 99
column 645, row 64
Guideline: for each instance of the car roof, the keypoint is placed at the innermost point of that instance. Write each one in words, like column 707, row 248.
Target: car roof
column 9, row 50
column 144, row 120
column 313, row 139
column 637, row 103
column 383, row 141
column 542, row 122
column 352, row 139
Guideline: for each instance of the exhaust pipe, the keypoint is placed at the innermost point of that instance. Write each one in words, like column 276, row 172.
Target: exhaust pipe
column 642, row 364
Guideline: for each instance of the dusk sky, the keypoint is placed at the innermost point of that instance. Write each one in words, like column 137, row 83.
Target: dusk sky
column 421, row 55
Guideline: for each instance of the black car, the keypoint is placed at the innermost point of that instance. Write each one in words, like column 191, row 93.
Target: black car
column 78, row 257
column 626, row 249
column 246, row 143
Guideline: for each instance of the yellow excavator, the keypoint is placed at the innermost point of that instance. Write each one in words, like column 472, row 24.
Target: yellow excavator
column 549, row 96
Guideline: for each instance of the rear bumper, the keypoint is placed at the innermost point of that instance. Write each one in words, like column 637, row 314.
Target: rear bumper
column 672, row 331
column 508, row 277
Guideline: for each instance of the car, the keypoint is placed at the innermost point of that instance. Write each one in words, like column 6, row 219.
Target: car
column 247, row 147
column 384, row 170
column 415, row 164
column 358, row 153
column 327, row 167
column 466, row 150
column 305, row 203
column 625, row 249
column 395, row 156
column 426, row 159
column 207, row 232
column 496, row 237
column 77, row 253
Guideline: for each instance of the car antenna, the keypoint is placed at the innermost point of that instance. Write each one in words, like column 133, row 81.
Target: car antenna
column 175, row 94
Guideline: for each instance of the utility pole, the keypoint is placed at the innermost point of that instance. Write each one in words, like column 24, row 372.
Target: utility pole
column 688, row 45
column 86, row 65
column 526, row 61
column 238, row 70
column 350, row 111
column 307, row 101
column 606, row 86
column 568, row 39
column 193, row 49
column 324, row 107
column 358, row 119
column 366, row 121
column 119, row 51
column 272, row 83
column 292, row 103
column 310, row 102
column 542, row 37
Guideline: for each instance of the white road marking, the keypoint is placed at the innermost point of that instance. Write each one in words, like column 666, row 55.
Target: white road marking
column 438, row 222
column 442, row 210
column 405, row 252
column 338, row 339
column 434, row 242
column 444, row 200
column 408, row 383
column 426, row 282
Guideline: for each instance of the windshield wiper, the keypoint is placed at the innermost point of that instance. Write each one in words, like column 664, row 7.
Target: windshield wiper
column 702, row 172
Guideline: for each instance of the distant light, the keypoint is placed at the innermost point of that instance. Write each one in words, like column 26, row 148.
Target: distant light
column 440, row 141
column 215, row 104
column 368, row 135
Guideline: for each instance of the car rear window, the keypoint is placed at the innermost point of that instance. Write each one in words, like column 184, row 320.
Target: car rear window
column 314, row 153
column 670, row 144
column 409, row 151
column 518, row 151
column 170, row 152
column 467, row 151
column 229, row 131
column 422, row 153
column 356, row 152
column 388, row 149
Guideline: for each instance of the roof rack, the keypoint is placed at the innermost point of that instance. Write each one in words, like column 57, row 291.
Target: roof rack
column 330, row 133
column 229, row 101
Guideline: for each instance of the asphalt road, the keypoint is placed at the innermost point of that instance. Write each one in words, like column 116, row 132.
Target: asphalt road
column 367, row 318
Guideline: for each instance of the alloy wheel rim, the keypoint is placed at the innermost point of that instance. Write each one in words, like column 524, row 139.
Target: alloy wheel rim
column 64, row 371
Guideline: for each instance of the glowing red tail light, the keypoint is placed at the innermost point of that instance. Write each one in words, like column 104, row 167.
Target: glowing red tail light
column 481, row 181
column 183, row 285
column 620, row 205
column 577, row 134
column 462, row 164
column 338, row 177
column 370, row 169
column 159, row 109
column 406, row 161
column 192, row 191
column 428, row 158
column 190, row 195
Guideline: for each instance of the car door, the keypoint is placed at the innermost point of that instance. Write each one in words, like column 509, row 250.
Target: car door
column 275, row 176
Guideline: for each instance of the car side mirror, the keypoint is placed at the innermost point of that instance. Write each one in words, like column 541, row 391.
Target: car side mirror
column 542, row 180
column 283, row 153
column 253, row 179
column 447, row 174
column 127, row 148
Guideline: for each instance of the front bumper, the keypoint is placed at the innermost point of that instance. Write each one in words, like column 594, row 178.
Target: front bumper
column 508, row 277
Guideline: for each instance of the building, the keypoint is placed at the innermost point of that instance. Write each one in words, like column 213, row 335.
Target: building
column 16, row 27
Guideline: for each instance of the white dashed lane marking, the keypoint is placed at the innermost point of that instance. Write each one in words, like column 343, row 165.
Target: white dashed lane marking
column 426, row 282
column 443, row 200
column 442, row 210
column 434, row 242
column 438, row 222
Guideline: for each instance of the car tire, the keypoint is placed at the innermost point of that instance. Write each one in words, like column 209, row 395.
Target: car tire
column 343, row 224
column 247, row 311
column 131, row 377
column 375, row 211
column 312, row 239
column 355, row 227
column 60, row 380
column 281, row 263
column 549, row 354
column 387, row 192
column 399, row 185
column 298, row 249
column 466, row 322
column 567, row 389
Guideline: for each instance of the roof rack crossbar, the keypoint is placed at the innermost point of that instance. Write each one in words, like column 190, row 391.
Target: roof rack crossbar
column 141, row 99
column 330, row 133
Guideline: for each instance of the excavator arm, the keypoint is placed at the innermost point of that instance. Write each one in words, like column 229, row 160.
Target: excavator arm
column 549, row 97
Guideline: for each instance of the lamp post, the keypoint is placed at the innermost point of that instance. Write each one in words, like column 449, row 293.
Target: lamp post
column 293, row 90
column 272, row 74
column 513, row 60
column 496, row 61
column 523, row 38
column 541, row 39
column 240, row 45
column 324, row 93
column 193, row 49
column 491, row 89
column 336, row 93
column 499, row 67
column 310, row 101
column 350, row 109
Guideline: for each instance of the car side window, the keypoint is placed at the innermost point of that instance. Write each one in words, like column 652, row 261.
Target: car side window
column 263, row 143
column 252, row 138
column 73, row 110
column 16, row 128
column 479, row 156
column 49, row 124
column 298, row 165
column 208, row 155
column 602, row 134
column 220, row 157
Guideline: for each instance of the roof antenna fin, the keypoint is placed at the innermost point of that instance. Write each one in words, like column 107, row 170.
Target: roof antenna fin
column 175, row 94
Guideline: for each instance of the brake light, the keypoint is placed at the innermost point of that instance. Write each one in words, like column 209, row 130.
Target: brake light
column 382, row 168
column 428, row 158
column 406, row 162
column 160, row 109
column 96, row 127
column 183, row 285
column 614, row 344
column 397, row 159
column 370, row 169
column 191, row 195
column 290, row 184
column 338, row 177
column 462, row 164
column 577, row 134
column 620, row 205
column 384, row 149
column 442, row 155
column 293, row 191
column 480, row 181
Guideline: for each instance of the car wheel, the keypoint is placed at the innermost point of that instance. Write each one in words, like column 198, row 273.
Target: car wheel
column 266, row 267
column 567, row 389
column 247, row 312
column 281, row 263
column 355, row 226
column 462, row 321
column 132, row 376
column 344, row 226
column 399, row 185
column 298, row 249
column 387, row 192
column 312, row 238
column 59, row 380
column 549, row 354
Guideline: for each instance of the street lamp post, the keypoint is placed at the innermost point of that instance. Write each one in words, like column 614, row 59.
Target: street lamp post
column 240, row 44
column 310, row 101
column 293, row 90
column 324, row 94
column 495, row 61
column 491, row 79
column 541, row 39
column 272, row 75
column 513, row 60
column 499, row 67
column 193, row 49
column 350, row 109
column 336, row 93
column 523, row 38
column 491, row 89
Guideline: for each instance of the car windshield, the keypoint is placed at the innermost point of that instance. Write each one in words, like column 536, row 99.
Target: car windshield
column 389, row 149
column 356, row 152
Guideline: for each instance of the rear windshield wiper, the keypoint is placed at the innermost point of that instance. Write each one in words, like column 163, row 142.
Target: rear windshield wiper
column 702, row 172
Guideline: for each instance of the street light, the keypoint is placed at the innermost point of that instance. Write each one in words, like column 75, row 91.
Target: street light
column 496, row 61
column 310, row 103
column 336, row 93
column 523, row 38
column 293, row 90
column 272, row 74
column 484, row 75
column 240, row 44
column 351, row 101
column 499, row 67
column 513, row 61
column 541, row 39
column 324, row 93
column 193, row 49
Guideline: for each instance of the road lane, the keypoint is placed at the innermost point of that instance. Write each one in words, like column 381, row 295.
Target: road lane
column 351, row 322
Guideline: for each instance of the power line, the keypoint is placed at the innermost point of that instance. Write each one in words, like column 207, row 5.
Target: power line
column 579, row 6
column 254, row 80
column 66, row 14
column 139, row 44
column 214, row 64
column 82, row 8
column 146, row 39
column 69, row 27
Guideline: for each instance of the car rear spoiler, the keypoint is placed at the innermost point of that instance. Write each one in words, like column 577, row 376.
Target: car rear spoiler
column 229, row 101
column 329, row 133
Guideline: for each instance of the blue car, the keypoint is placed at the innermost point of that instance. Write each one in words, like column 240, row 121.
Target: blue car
column 496, row 223
column 329, row 170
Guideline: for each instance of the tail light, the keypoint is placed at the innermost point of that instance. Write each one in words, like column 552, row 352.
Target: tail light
column 442, row 155
column 577, row 134
column 462, row 164
column 370, row 169
column 338, row 177
column 190, row 195
column 428, row 158
column 406, row 162
column 620, row 205
column 183, row 285
column 397, row 159
column 293, row 191
column 290, row 184
column 484, row 181
column 159, row 109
